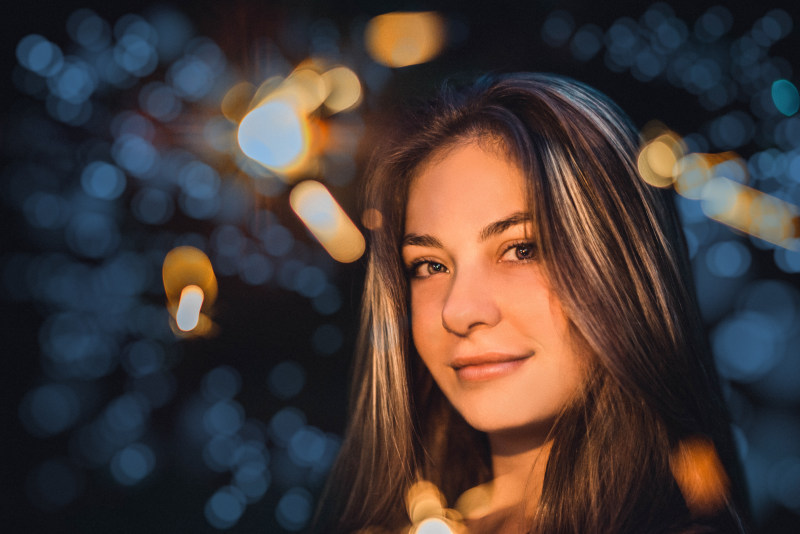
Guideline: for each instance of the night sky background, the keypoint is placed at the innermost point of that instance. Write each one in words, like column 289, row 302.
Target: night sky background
column 113, row 423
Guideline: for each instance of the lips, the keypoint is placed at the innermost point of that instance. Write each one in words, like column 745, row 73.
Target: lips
column 487, row 366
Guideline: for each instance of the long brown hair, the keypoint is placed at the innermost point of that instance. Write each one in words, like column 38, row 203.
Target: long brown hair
column 613, row 252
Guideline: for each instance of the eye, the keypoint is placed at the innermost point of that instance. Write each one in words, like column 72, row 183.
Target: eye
column 426, row 268
column 520, row 251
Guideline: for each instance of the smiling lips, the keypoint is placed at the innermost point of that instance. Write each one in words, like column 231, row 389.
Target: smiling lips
column 486, row 366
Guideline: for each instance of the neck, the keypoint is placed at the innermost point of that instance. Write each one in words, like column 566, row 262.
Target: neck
column 518, row 464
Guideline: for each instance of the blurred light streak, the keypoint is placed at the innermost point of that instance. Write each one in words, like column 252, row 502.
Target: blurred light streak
column 715, row 180
column 700, row 475
column 184, row 267
column 401, row 39
column 188, row 314
column 344, row 89
column 327, row 221
column 751, row 211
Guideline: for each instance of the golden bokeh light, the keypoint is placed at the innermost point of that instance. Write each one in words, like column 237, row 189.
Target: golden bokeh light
column 236, row 101
column 267, row 88
column 188, row 314
column 716, row 181
column 327, row 221
column 307, row 87
column 751, row 211
column 344, row 89
column 401, row 39
column 475, row 501
column 692, row 172
column 424, row 500
column 191, row 289
column 700, row 475
column 372, row 219
column 658, row 157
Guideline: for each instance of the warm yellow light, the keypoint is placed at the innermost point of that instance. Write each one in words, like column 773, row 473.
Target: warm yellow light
column 237, row 100
column 424, row 500
column 327, row 221
column 307, row 87
column 475, row 501
column 658, row 158
column 267, row 88
column 700, row 475
column 190, row 287
column 344, row 89
column 751, row 211
column 692, row 172
column 433, row 526
column 372, row 219
column 188, row 314
column 405, row 38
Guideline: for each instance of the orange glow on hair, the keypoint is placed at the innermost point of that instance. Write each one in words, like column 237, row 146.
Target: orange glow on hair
column 700, row 476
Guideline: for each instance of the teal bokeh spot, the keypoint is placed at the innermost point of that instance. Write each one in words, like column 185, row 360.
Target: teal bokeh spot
column 785, row 97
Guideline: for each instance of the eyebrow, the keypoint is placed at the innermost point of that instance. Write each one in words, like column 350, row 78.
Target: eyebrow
column 490, row 230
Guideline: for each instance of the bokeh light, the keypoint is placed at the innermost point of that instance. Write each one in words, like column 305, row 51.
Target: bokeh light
column 294, row 509
column 189, row 281
column 658, row 158
column 286, row 379
column 225, row 507
column 49, row 409
column 326, row 220
column 785, row 97
column 344, row 89
column 423, row 501
column 132, row 464
column 433, row 526
column 276, row 134
column 405, row 38
column 188, row 314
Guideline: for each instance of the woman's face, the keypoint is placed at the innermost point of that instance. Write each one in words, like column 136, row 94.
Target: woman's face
column 483, row 318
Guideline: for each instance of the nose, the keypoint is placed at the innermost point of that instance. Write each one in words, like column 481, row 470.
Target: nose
column 470, row 303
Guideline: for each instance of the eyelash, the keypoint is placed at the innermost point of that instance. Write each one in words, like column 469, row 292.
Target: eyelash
column 413, row 269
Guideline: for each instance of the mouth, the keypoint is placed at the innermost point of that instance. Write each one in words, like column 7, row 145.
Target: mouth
column 482, row 367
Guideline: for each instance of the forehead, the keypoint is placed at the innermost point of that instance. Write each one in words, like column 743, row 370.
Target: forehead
column 466, row 185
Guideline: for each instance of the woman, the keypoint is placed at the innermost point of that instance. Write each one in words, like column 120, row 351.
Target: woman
column 529, row 328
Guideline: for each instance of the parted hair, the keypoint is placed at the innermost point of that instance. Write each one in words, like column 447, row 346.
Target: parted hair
column 613, row 252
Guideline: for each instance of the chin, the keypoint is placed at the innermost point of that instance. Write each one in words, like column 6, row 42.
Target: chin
column 499, row 422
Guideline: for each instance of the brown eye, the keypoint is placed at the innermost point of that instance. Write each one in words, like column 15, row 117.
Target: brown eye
column 520, row 252
column 434, row 268
column 524, row 251
column 425, row 269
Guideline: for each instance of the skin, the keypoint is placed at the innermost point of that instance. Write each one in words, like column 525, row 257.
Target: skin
column 478, row 296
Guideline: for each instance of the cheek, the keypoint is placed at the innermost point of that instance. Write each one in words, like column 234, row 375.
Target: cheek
column 426, row 323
